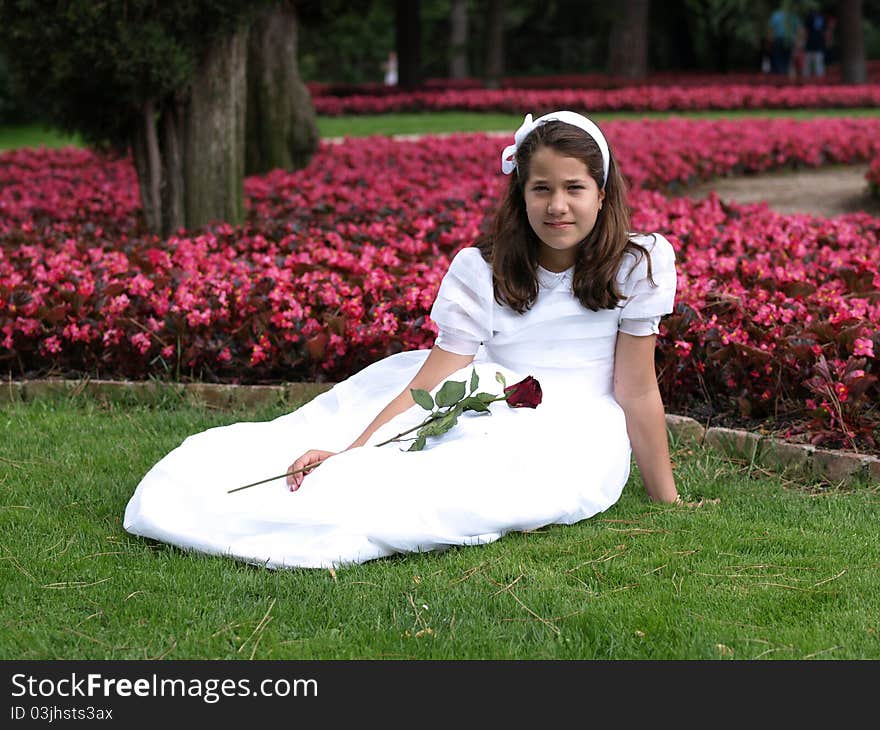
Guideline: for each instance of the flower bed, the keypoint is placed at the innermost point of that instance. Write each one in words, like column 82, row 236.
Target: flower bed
column 337, row 266
column 595, row 81
column 635, row 98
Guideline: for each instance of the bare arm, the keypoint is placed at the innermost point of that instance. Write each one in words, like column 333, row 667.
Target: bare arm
column 439, row 365
column 436, row 367
column 636, row 390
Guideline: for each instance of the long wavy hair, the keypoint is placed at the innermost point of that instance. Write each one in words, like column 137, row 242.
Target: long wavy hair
column 511, row 246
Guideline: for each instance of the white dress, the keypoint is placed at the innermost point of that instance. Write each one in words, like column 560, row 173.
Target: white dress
column 513, row 469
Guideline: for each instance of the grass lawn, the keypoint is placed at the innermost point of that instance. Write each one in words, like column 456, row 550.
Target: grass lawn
column 763, row 569
column 439, row 122
column 34, row 135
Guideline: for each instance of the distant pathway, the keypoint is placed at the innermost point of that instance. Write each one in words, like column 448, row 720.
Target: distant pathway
column 825, row 192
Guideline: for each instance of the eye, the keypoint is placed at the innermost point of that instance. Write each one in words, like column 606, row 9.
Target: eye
column 539, row 188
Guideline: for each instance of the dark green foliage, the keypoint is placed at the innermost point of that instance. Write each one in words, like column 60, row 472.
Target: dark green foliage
column 344, row 41
column 14, row 108
column 88, row 67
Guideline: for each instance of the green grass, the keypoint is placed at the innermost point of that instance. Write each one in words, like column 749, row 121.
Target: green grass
column 437, row 123
column 772, row 570
column 440, row 122
column 35, row 135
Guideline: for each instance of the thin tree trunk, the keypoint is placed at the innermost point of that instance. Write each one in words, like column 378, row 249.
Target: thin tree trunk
column 628, row 52
column 213, row 135
column 495, row 44
column 458, row 59
column 173, row 199
column 852, row 42
column 145, row 152
column 281, row 128
column 408, row 41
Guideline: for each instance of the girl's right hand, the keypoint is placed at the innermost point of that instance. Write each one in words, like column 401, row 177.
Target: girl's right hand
column 312, row 457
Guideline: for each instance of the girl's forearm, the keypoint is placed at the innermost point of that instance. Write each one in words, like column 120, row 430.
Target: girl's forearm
column 646, row 425
column 394, row 408
column 438, row 365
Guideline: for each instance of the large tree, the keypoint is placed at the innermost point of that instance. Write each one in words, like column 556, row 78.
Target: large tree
column 628, row 52
column 281, row 129
column 458, row 39
column 166, row 80
column 408, row 42
column 852, row 41
column 494, row 43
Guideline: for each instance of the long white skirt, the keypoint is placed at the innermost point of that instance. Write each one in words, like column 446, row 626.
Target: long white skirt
column 513, row 469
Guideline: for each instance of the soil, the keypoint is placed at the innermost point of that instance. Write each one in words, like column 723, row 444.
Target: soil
column 825, row 192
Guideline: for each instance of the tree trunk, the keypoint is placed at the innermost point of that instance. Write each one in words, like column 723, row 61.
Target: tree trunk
column 213, row 135
column 495, row 44
column 458, row 59
column 628, row 52
column 173, row 198
column 147, row 163
column 281, row 130
column 852, row 41
column 408, row 41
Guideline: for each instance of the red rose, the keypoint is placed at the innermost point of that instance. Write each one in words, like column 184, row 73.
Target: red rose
column 524, row 394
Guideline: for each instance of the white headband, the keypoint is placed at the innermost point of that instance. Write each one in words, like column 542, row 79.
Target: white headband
column 508, row 156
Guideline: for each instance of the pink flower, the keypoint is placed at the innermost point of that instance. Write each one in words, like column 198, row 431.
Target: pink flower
column 258, row 355
column 863, row 346
column 119, row 304
column 141, row 342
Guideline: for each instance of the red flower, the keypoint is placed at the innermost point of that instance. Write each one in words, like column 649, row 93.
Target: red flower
column 524, row 394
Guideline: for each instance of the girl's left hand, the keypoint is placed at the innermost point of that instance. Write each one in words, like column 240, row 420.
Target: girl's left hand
column 312, row 457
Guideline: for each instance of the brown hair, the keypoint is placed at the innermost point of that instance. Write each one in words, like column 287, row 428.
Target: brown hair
column 511, row 246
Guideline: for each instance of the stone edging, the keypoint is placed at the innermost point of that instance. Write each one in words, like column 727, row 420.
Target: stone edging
column 799, row 461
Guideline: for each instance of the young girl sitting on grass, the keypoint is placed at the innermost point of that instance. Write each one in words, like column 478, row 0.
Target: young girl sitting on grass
column 559, row 289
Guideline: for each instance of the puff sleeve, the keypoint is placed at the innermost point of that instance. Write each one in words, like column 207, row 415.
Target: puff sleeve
column 463, row 307
column 645, row 303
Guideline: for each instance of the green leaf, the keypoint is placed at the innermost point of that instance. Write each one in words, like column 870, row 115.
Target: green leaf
column 474, row 404
column 419, row 443
column 423, row 398
column 451, row 392
column 447, row 423
column 500, row 378
column 486, row 398
column 475, row 380
column 440, row 426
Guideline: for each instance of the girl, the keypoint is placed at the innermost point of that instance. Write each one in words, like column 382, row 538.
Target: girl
column 559, row 289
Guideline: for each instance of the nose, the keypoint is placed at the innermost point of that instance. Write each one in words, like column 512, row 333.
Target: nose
column 557, row 204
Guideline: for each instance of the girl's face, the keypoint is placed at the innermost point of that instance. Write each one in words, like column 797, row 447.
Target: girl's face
column 562, row 204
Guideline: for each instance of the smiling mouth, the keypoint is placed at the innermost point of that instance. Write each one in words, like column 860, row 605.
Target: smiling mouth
column 558, row 224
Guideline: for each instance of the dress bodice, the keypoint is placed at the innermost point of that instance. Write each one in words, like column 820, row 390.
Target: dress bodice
column 557, row 340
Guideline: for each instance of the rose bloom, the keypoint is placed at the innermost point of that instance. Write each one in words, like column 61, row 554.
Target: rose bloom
column 524, row 394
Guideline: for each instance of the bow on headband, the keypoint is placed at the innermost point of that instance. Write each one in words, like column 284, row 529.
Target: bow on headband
column 508, row 156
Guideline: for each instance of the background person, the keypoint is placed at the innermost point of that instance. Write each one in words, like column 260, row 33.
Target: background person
column 782, row 29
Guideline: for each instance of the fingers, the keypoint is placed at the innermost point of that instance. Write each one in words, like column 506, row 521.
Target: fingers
column 311, row 458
